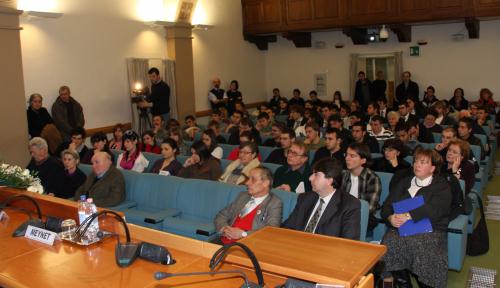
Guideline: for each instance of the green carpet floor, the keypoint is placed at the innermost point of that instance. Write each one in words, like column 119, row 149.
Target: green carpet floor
column 492, row 258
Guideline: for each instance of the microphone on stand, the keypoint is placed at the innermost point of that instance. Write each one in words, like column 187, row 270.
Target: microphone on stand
column 247, row 284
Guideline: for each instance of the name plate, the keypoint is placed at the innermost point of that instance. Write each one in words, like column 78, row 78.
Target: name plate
column 40, row 235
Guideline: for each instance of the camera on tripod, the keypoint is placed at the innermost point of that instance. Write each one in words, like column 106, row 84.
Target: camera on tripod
column 140, row 94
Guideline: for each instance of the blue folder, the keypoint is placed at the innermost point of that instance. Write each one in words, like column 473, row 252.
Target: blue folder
column 410, row 227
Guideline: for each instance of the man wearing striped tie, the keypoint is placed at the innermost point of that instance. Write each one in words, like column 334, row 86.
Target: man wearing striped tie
column 252, row 209
column 327, row 210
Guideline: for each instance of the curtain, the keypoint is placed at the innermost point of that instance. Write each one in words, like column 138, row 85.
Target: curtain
column 137, row 71
column 353, row 74
column 398, row 67
column 169, row 78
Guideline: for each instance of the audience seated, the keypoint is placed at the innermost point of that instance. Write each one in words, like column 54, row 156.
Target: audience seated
column 67, row 113
column 392, row 120
column 403, row 134
column 296, row 99
column 234, row 123
column 264, row 125
column 201, row 165
column 239, row 170
column 246, row 136
column 465, row 133
column 132, row 158
column 360, row 181
column 336, row 122
column 105, row 184
column 47, row 168
column 245, row 125
column 429, row 126
column 332, row 148
column 99, row 143
column 382, row 105
column 38, row 116
column 443, row 117
column 405, row 114
column 371, row 110
column 297, row 122
column 276, row 131
column 210, row 140
column 169, row 164
column 486, row 100
column 422, row 255
column 313, row 140
column 377, row 130
column 274, row 103
column 148, row 143
column 360, row 136
column 278, row 156
column 216, row 127
column 458, row 101
column 283, row 107
column 160, row 133
column 392, row 161
column 294, row 176
column 72, row 178
column 429, row 98
column 190, row 128
column 326, row 209
column 76, row 143
column 458, row 164
column 117, row 142
column 175, row 134
column 482, row 118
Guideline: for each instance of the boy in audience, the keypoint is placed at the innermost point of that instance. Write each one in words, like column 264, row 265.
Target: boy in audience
column 371, row 110
column 296, row 99
column 405, row 114
column 75, row 144
column 245, row 125
column 234, row 123
column 264, row 125
column 274, row 103
column 278, row 156
column 191, row 127
column 326, row 112
column 360, row 136
column 382, row 110
column 332, row 148
column 344, row 114
column 360, row 181
column 313, row 96
column 428, row 127
column 443, row 117
column 313, row 140
column 159, row 129
column 356, row 117
column 482, row 118
column 294, row 176
column 297, row 120
column 329, row 210
column 465, row 133
column 403, row 134
column 215, row 126
column 276, row 130
column 217, row 115
column 377, row 128
column 336, row 122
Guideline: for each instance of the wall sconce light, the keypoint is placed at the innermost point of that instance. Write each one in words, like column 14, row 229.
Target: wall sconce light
column 32, row 15
column 154, row 24
column 383, row 34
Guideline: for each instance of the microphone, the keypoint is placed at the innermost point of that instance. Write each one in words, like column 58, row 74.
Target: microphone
column 21, row 230
column 247, row 284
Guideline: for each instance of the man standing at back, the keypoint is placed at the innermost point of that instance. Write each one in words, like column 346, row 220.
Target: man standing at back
column 159, row 99
column 329, row 210
column 216, row 95
column 67, row 113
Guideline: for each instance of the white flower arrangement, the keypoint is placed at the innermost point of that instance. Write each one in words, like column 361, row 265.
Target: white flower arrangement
column 16, row 177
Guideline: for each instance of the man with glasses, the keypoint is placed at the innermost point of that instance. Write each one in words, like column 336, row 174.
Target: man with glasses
column 278, row 156
column 294, row 176
column 360, row 181
column 332, row 148
column 329, row 210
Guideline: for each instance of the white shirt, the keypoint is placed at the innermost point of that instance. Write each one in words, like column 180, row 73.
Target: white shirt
column 439, row 119
column 326, row 200
column 417, row 184
column 257, row 202
column 217, row 153
column 354, row 186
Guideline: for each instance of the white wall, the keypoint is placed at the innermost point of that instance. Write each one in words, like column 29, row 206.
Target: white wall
column 222, row 52
column 471, row 64
column 86, row 50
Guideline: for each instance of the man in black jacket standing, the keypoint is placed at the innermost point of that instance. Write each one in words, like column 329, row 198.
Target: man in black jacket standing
column 406, row 89
column 159, row 99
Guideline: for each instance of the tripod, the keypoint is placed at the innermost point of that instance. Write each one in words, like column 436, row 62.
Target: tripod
column 144, row 121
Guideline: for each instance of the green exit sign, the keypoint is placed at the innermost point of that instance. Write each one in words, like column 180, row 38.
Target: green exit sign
column 415, row 51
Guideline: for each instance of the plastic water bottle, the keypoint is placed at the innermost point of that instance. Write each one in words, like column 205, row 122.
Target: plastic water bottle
column 94, row 226
column 82, row 204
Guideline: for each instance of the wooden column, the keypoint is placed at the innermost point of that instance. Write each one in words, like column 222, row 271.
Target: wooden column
column 13, row 123
column 180, row 49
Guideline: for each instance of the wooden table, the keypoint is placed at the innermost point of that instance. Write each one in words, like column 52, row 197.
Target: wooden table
column 26, row 263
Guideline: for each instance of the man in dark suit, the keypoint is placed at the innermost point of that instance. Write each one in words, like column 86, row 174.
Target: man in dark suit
column 252, row 210
column 329, row 210
column 105, row 184
column 406, row 89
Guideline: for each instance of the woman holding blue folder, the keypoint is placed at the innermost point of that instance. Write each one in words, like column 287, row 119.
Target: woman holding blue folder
column 417, row 211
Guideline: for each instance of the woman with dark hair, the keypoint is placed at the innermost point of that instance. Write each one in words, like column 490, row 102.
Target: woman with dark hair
column 72, row 178
column 238, row 171
column 176, row 135
column 283, row 107
column 337, row 99
column 233, row 95
column 201, row 165
column 38, row 116
column 424, row 254
column 99, row 143
column 132, row 158
column 148, row 143
column 210, row 140
column 117, row 142
column 393, row 157
column 458, row 101
column 168, row 165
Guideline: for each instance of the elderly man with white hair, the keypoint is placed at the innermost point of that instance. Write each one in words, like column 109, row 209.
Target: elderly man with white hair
column 48, row 169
